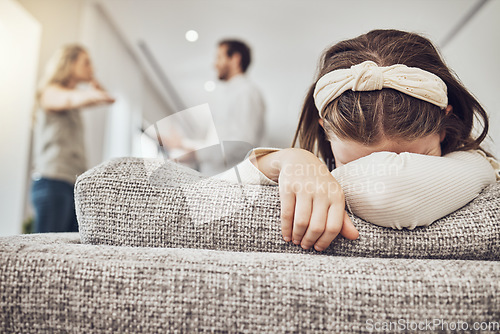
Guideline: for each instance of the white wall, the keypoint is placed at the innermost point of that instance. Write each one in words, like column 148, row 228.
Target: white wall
column 474, row 55
column 115, row 131
column 19, row 45
column 60, row 21
column 109, row 130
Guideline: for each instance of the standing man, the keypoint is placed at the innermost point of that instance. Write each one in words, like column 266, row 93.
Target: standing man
column 239, row 114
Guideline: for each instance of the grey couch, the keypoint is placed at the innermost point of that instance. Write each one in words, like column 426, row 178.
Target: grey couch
column 162, row 249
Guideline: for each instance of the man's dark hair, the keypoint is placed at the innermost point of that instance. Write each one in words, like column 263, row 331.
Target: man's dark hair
column 235, row 46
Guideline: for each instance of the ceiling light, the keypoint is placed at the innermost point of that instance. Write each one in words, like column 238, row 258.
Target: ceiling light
column 209, row 86
column 192, row 35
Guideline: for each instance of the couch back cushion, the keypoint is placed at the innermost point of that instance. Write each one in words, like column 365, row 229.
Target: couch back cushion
column 153, row 203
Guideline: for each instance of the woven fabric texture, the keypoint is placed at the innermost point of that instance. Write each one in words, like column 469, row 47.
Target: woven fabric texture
column 152, row 203
column 51, row 283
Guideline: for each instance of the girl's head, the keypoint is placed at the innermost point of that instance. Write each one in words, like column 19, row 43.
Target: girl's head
column 67, row 67
column 358, row 123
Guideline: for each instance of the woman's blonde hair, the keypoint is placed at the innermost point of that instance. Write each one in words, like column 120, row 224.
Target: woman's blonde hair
column 59, row 69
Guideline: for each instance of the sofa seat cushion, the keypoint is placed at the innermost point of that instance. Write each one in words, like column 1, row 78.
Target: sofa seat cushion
column 51, row 283
column 153, row 203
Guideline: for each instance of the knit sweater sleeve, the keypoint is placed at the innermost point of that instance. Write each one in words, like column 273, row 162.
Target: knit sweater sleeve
column 246, row 172
column 409, row 190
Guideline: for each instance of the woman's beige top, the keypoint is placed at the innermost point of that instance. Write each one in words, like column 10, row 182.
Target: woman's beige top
column 59, row 151
column 398, row 190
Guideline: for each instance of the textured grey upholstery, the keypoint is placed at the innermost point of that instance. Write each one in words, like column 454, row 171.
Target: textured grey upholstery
column 246, row 279
column 50, row 283
column 151, row 203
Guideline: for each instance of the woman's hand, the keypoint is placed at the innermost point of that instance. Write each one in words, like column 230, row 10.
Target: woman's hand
column 312, row 201
column 95, row 84
column 96, row 96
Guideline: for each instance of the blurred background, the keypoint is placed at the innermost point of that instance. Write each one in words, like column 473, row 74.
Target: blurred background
column 156, row 57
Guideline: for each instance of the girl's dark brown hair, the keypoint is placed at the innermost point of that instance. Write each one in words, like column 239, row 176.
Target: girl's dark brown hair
column 366, row 117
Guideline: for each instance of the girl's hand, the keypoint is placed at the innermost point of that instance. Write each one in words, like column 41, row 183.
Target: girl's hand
column 312, row 201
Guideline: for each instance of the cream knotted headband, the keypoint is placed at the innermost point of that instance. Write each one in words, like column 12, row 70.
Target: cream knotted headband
column 368, row 76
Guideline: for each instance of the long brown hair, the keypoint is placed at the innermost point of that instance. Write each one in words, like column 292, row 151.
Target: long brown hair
column 365, row 117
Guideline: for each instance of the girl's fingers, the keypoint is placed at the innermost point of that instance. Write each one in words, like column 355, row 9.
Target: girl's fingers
column 287, row 213
column 349, row 231
column 303, row 207
column 333, row 227
column 317, row 223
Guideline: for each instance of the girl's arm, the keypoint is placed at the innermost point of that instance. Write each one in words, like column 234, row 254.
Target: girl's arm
column 312, row 201
column 388, row 189
column 57, row 98
column 408, row 190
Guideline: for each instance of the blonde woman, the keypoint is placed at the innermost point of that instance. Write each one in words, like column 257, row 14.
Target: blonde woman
column 59, row 153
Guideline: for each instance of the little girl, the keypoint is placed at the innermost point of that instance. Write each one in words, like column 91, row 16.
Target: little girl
column 386, row 129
